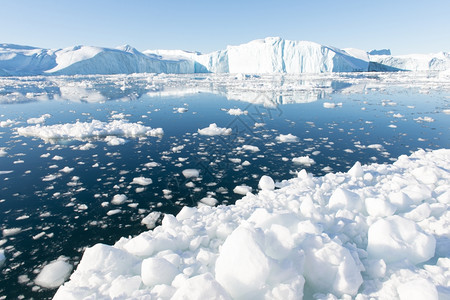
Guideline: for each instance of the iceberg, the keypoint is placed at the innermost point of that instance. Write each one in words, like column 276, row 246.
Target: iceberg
column 262, row 56
column 84, row 60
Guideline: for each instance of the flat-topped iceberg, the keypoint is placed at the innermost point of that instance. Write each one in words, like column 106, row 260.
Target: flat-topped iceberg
column 311, row 237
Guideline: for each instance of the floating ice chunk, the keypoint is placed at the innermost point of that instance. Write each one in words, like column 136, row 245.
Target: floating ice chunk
column 142, row 181
column 2, row 257
column 114, row 140
column 331, row 104
column 39, row 120
column 201, row 287
column 7, row 123
column 237, row 112
column 157, row 271
column 11, row 231
column 418, row 289
column 54, row 274
column 303, row 160
column 329, row 267
column 266, row 183
column 214, row 130
column 94, row 129
column 152, row 164
column 398, row 115
column 396, row 238
column 119, row 199
column 287, row 138
column 424, row 119
column 113, row 212
column 66, row 170
column 356, row 171
column 191, row 173
column 3, row 152
column 210, row 201
column 242, row 189
column 151, row 219
column 242, row 268
column 375, row 146
column 250, row 148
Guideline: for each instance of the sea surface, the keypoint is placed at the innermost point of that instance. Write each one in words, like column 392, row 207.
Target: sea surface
column 48, row 211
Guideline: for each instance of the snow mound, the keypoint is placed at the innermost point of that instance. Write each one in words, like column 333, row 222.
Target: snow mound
column 310, row 237
column 89, row 130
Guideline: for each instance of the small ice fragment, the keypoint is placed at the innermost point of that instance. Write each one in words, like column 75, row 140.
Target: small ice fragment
column 208, row 201
column 54, row 274
column 151, row 219
column 287, row 138
column 303, row 160
column 142, row 181
column 119, row 199
column 214, row 130
column 11, row 231
column 191, row 173
column 242, row 189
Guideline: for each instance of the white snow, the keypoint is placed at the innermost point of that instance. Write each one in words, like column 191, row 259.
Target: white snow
column 212, row 129
column 87, row 130
column 54, row 274
column 378, row 231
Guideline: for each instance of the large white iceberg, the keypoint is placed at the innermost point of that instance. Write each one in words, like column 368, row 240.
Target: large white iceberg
column 269, row 55
column 311, row 237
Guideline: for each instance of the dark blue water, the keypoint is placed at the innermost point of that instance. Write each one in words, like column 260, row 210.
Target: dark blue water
column 63, row 216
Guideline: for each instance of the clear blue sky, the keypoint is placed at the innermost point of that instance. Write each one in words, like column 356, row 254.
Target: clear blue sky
column 416, row 26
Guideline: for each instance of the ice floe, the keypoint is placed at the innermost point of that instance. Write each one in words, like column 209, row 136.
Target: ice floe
column 378, row 231
column 86, row 130
column 213, row 129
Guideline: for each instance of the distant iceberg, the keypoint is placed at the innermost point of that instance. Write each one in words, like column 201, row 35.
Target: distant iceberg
column 263, row 56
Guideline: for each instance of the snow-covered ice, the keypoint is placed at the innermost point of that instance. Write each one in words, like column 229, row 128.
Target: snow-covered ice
column 213, row 129
column 378, row 231
column 86, row 130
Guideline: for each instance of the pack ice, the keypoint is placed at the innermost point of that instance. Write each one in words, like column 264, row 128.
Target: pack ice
column 377, row 231
column 269, row 55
